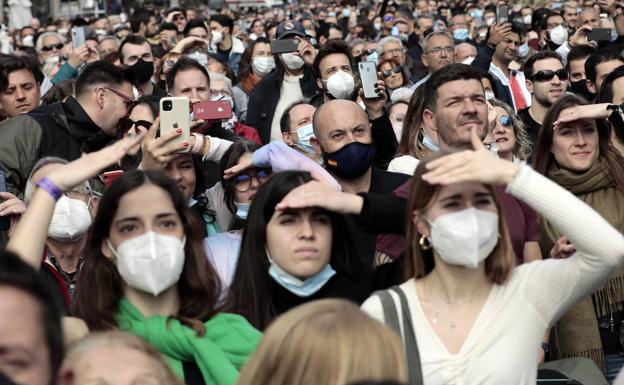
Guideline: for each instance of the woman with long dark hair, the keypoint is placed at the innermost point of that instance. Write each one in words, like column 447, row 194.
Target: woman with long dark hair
column 145, row 270
column 256, row 62
column 577, row 155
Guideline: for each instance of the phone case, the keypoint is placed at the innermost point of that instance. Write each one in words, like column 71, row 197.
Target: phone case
column 284, row 46
column 177, row 117
column 502, row 14
column 78, row 37
column 368, row 75
column 599, row 34
column 218, row 109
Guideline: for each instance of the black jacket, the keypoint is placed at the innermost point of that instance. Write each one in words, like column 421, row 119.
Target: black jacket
column 61, row 129
column 265, row 96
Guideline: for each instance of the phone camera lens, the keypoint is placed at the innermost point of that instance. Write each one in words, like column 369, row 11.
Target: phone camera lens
column 167, row 105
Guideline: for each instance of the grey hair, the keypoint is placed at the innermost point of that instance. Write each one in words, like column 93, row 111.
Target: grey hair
column 39, row 43
column 442, row 32
column 29, row 190
column 386, row 40
column 214, row 76
column 522, row 150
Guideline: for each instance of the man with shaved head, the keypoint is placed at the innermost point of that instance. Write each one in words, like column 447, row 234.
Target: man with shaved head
column 344, row 140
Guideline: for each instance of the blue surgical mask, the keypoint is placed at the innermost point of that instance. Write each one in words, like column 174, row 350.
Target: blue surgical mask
column 460, row 34
column 373, row 58
column 477, row 13
column 296, row 286
column 523, row 50
column 430, row 144
column 305, row 133
column 242, row 210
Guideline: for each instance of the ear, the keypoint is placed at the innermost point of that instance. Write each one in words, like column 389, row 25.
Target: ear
column 423, row 58
column 93, row 205
column 591, row 86
column 429, row 119
column 315, row 143
column 99, row 97
column 529, row 85
column 319, row 83
column 421, row 224
column 286, row 139
column 106, row 251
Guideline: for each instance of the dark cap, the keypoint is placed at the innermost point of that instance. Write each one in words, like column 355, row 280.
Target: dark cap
column 290, row 28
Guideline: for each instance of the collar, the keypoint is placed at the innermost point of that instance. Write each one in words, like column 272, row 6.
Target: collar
column 80, row 123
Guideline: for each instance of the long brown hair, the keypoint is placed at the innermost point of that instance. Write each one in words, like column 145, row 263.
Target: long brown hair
column 418, row 262
column 544, row 159
column 100, row 287
column 413, row 132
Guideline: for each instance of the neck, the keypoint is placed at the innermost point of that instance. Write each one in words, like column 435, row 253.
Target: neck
column 294, row 72
column 357, row 185
column 146, row 88
column 537, row 111
column 506, row 155
column 66, row 254
column 90, row 110
column 502, row 65
column 456, row 285
column 166, row 303
column 226, row 43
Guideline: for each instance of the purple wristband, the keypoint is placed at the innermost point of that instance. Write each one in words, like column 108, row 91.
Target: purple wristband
column 49, row 186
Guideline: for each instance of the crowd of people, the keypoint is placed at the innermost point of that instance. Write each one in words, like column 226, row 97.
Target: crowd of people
column 463, row 225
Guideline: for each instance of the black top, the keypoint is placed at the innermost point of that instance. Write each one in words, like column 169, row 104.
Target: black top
column 532, row 127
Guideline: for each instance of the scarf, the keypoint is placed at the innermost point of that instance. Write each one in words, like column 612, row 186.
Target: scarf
column 250, row 82
column 576, row 334
column 219, row 354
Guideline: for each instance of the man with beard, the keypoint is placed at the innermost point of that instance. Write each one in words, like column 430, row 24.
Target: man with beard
column 600, row 64
column 143, row 23
column 576, row 71
column 547, row 80
column 335, row 77
column 136, row 53
column 553, row 31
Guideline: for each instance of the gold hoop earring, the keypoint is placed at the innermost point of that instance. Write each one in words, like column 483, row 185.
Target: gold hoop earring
column 424, row 243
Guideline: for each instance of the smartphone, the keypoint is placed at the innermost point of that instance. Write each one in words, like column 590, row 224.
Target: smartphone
column 599, row 34
column 175, row 114
column 502, row 14
column 78, row 37
column 213, row 110
column 111, row 176
column 368, row 75
column 5, row 222
column 284, row 46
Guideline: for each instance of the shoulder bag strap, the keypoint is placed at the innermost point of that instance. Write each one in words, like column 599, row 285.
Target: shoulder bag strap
column 409, row 339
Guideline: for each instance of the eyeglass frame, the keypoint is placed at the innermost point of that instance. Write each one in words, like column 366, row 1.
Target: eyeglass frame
column 396, row 70
column 561, row 73
column 249, row 181
column 126, row 99
column 438, row 50
column 48, row 48
column 392, row 51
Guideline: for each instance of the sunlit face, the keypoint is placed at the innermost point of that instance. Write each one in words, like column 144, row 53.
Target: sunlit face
column 21, row 95
column 545, row 92
column 246, row 188
column 132, row 53
column 147, row 208
column 199, row 32
column 575, row 144
column 440, row 52
column 24, row 354
column 299, row 241
column 51, row 46
column 182, row 172
column 300, row 115
column 454, row 198
column 340, row 125
column 503, row 134
column 394, row 50
column 193, row 84
column 119, row 365
column 394, row 79
column 604, row 69
column 397, row 118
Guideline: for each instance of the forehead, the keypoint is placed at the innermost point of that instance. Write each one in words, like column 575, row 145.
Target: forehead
column 334, row 60
column 588, row 14
column 343, row 117
column 146, row 201
column 608, row 66
column 465, row 190
column 21, row 76
column 218, row 84
column 398, row 108
column 198, row 31
column 134, row 49
column 50, row 39
column 302, row 110
column 459, row 88
column 141, row 112
column 191, row 77
column 547, row 64
column 555, row 19
column 392, row 45
column 618, row 90
column 440, row 40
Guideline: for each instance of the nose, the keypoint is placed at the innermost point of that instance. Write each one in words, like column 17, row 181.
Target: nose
column 20, row 94
column 443, row 53
column 306, row 230
column 469, row 106
column 195, row 94
column 255, row 183
column 498, row 128
column 175, row 175
column 580, row 139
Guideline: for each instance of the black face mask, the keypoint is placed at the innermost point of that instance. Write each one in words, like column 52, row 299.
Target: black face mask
column 580, row 88
column 142, row 71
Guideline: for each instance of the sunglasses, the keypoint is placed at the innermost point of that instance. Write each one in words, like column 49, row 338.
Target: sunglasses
column 505, row 120
column 126, row 123
column 547, row 75
column 130, row 103
column 48, row 48
column 396, row 70
column 388, row 18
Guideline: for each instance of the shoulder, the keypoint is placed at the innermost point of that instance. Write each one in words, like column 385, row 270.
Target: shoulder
column 20, row 126
column 372, row 307
column 405, row 164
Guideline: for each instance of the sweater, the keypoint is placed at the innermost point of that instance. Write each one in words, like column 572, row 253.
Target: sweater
column 503, row 344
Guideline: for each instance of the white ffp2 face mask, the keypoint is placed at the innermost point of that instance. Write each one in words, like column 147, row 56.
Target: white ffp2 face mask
column 292, row 61
column 151, row 262
column 70, row 221
column 465, row 238
column 340, row 85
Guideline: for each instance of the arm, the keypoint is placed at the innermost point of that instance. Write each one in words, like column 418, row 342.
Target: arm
column 20, row 139
column 531, row 252
column 66, row 72
column 28, row 240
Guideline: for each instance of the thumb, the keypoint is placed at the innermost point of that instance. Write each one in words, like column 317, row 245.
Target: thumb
column 151, row 134
column 477, row 144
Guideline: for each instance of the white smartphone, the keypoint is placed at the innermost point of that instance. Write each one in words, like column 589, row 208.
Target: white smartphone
column 78, row 37
column 175, row 114
column 368, row 75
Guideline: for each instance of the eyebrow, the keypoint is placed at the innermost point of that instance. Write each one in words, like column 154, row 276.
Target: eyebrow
column 158, row 216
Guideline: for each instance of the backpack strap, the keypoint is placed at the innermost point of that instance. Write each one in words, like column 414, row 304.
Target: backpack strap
column 409, row 339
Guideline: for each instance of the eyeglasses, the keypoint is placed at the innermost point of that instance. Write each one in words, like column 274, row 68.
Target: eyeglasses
column 126, row 123
column 555, row 25
column 396, row 51
column 129, row 102
column 48, row 48
column 547, row 75
column 505, row 120
column 242, row 182
column 388, row 18
column 438, row 50
column 396, row 70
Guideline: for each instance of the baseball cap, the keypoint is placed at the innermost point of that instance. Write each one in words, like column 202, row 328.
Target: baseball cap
column 290, row 28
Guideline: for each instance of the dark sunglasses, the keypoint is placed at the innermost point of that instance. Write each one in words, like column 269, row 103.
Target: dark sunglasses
column 396, row 70
column 126, row 123
column 547, row 75
column 51, row 47
column 505, row 121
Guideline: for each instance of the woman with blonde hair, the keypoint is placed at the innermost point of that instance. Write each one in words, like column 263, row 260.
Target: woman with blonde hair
column 329, row 342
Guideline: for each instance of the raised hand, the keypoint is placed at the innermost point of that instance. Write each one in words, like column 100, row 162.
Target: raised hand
column 157, row 152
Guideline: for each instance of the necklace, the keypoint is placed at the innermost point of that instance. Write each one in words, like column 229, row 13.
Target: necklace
column 436, row 314
column 436, row 309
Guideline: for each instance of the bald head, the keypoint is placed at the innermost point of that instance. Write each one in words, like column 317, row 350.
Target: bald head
column 339, row 122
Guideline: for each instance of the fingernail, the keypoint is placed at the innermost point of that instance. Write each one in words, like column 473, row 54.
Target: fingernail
column 185, row 144
column 179, row 130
